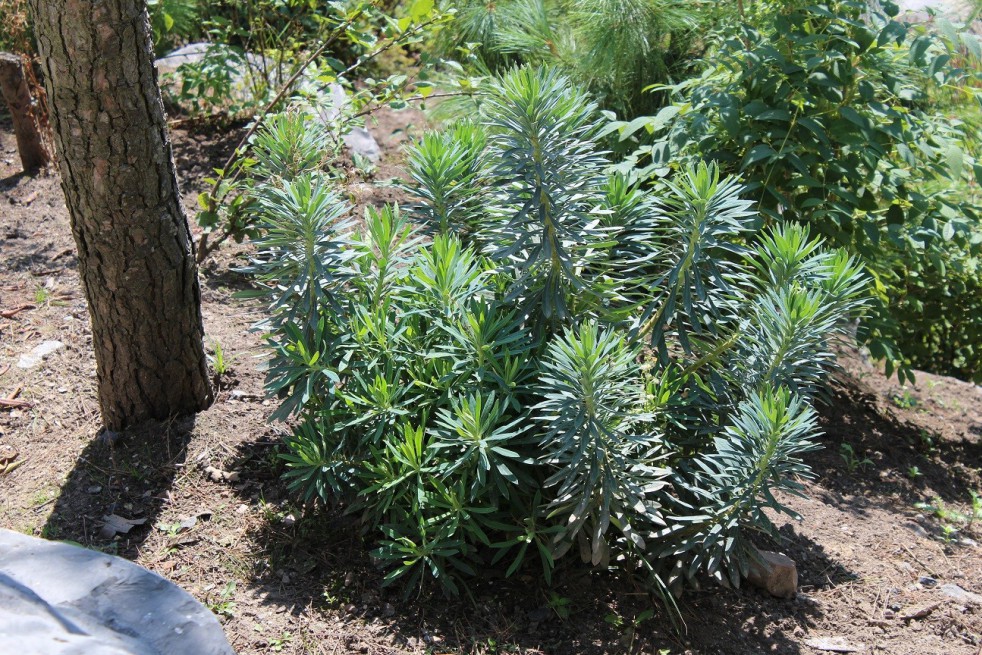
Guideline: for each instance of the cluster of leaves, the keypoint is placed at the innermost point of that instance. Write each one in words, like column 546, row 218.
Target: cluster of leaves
column 615, row 48
column 827, row 113
column 173, row 22
column 563, row 362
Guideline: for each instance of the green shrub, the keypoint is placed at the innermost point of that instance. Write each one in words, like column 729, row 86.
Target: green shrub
column 828, row 116
column 570, row 363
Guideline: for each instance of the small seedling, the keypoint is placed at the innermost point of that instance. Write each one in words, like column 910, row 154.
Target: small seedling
column 948, row 533
column 218, row 360
column 629, row 628
column 559, row 605
column 926, row 441
column 976, row 507
column 170, row 529
column 41, row 296
column 914, row 472
column 905, row 400
column 278, row 644
column 222, row 606
column 852, row 460
column 365, row 167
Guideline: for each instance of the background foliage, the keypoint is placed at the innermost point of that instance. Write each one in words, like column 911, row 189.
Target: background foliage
column 852, row 123
column 614, row 48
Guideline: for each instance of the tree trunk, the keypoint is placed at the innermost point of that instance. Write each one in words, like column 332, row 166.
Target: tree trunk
column 27, row 128
column 135, row 249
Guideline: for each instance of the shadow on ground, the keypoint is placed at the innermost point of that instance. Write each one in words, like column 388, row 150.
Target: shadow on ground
column 321, row 561
column 887, row 462
column 130, row 479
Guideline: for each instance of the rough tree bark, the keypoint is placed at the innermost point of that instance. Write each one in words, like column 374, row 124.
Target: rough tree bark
column 135, row 249
column 17, row 94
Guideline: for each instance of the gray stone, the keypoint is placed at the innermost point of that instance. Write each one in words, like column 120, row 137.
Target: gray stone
column 960, row 595
column 360, row 141
column 331, row 102
column 36, row 356
column 58, row 598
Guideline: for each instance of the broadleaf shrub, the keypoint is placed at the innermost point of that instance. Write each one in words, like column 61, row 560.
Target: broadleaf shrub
column 570, row 364
column 828, row 114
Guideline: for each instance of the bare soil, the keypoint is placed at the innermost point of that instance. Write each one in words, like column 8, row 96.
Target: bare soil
column 871, row 562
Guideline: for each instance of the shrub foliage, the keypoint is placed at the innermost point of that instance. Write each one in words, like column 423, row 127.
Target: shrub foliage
column 557, row 360
column 830, row 116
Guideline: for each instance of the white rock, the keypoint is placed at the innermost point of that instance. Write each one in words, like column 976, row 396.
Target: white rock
column 36, row 356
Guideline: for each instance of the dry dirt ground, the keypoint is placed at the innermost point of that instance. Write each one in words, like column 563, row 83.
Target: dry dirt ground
column 872, row 563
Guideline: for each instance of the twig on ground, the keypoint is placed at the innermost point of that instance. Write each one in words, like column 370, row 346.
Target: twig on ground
column 15, row 404
column 927, row 568
column 10, row 313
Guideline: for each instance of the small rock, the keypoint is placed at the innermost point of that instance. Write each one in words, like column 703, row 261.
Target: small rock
column 241, row 509
column 7, row 453
column 285, row 579
column 360, row 141
column 94, row 489
column 889, row 614
column 388, row 610
column 289, row 520
column 218, row 475
column 961, row 595
column 36, row 356
column 919, row 531
column 832, row 644
column 927, row 582
column 776, row 573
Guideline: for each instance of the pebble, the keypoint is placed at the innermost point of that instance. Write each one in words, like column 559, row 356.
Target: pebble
column 927, row 582
column 94, row 489
column 919, row 531
column 241, row 509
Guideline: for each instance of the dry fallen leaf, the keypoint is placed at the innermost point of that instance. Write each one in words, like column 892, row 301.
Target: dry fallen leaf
column 114, row 524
